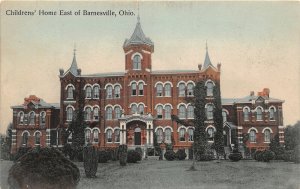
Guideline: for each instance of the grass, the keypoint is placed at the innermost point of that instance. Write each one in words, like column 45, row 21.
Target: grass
column 174, row 174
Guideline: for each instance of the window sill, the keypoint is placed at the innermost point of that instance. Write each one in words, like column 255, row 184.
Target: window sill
column 267, row 142
column 109, row 142
column 252, row 142
column 69, row 98
column 190, row 118
column 140, row 95
column 191, row 141
column 117, row 142
column 88, row 98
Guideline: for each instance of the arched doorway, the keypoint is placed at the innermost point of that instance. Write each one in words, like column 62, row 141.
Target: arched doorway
column 137, row 136
column 136, row 133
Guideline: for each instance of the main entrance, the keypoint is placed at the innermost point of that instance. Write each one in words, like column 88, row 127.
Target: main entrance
column 137, row 136
column 136, row 133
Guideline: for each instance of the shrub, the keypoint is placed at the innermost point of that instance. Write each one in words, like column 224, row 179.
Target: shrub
column 90, row 162
column 287, row 156
column 296, row 154
column 268, row 155
column 170, row 155
column 103, row 156
column 180, row 154
column 257, row 155
column 235, row 156
column 21, row 151
column 123, row 154
column 158, row 152
column 139, row 150
column 44, row 168
column 115, row 154
column 133, row 156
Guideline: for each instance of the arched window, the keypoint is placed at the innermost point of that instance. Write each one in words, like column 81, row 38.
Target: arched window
column 117, row 91
column 96, row 114
column 21, row 117
column 141, row 89
column 88, row 92
column 133, row 108
column 96, row 92
column 96, row 136
column 167, row 112
column 209, row 111
column 159, row 134
column 181, row 88
column 191, row 134
column 70, row 92
column 259, row 114
column 109, row 92
column 31, row 118
column 136, row 62
column 117, row 112
column 211, row 133
column 182, row 112
column 117, row 135
column 87, row 136
column 37, row 138
column 190, row 112
column 88, row 113
column 109, row 135
column 209, row 88
column 159, row 90
column 141, row 109
column 167, row 90
column 224, row 115
column 267, row 134
column 252, row 136
column 43, row 118
column 69, row 114
column 133, row 89
column 190, row 89
column 181, row 134
column 159, row 111
column 168, row 135
column 25, row 138
column 109, row 113
column 272, row 113
column 246, row 114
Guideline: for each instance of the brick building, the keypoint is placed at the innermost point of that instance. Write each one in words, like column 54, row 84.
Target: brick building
column 129, row 107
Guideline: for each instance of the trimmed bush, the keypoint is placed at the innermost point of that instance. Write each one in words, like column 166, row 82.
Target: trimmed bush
column 158, row 151
column 21, row 151
column 123, row 154
column 103, row 156
column 235, row 156
column 180, row 154
column 268, row 155
column 133, row 156
column 44, row 168
column 170, row 155
column 139, row 150
column 90, row 160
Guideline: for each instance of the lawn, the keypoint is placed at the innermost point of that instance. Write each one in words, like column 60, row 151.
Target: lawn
column 174, row 174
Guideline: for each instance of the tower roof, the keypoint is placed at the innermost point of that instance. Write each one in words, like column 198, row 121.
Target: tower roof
column 207, row 61
column 73, row 68
column 138, row 37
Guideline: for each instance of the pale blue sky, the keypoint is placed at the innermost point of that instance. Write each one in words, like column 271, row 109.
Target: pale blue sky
column 258, row 44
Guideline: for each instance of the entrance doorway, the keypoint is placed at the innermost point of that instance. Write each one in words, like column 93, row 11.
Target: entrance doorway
column 137, row 136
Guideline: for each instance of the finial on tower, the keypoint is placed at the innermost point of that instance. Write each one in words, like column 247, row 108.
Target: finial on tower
column 138, row 16
column 206, row 46
column 74, row 49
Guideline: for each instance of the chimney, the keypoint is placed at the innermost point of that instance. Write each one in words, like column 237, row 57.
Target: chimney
column 219, row 66
column 266, row 92
column 199, row 66
column 251, row 93
column 61, row 72
column 79, row 71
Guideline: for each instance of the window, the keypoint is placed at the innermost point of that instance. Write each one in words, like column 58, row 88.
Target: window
column 117, row 112
column 21, row 117
column 167, row 112
column 32, row 118
column 159, row 135
column 25, row 138
column 159, row 112
column 88, row 92
column 267, row 134
column 210, row 132
column 259, row 114
column 167, row 90
column 69, row 140
column 109, row 113
column 209, row 88
column 181, row 134
column 96, row 92
column 96, row 136
column 69, row 114
column 136, row 62
column 181, row 89
column 224, row 115
column 117, row 135
column 133, row 89
column 190, row 112
column 168, row 135
column 141, row 109
column 87, row 136
column 117, row 91
column 70, row 92
column 42, row 118
column 252, row 136
column 96, row 114
column 182, row 112
column 37, row 138
column 109, row 92
column 191, row 134
column 190, row 89
column 109, row 135
column 133, row 108
column 159, row 90
column 141, row 89
column 209, row 111
column 246, row 114
column 88, row 113
column 272, row 113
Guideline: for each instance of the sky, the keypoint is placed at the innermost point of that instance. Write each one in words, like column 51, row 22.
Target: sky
column 257, row 43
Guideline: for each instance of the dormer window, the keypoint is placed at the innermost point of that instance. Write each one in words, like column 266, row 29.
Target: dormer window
column 137, row 62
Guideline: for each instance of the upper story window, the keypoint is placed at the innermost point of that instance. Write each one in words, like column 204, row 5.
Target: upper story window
column 43, row 118
column 181, row 89
column 190, row 89
column 246, row 112
column 37, row 138
column 141, row 109
column 209, row 111
column 69, row 114
column 70, row 90
column 31, row 118
column 133, row 89
column 96, row 136
column 117, row 135
column 21, row 117
column 109, row 92
column 96, row 114
column 267, row 135
column 159, row 111
column 252, row 136
column 272, row 113
column 133, row 108
column 191, row 134
column 87, row 136
column 159, row 135
column 117, row 91
column 88, row 112
column 109, row 113
column 209, row 88
column 141, row 89
column 168, row 110
column 181, row 134
column 190, row 112
column 96, row 92
column 117, row 112
column 159, row 90
column 259, row 114
column 109, row 135
column 168, row 135
column 182, row 112
column 25, row 138
column 210, row 133
column 137, row 62
column 224, row 115
column 167, row 90
column 88, row 92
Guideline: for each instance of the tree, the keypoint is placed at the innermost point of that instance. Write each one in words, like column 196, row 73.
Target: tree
column 6, row 143
column 276, row 147
column 218, row 121
column 292, row 136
